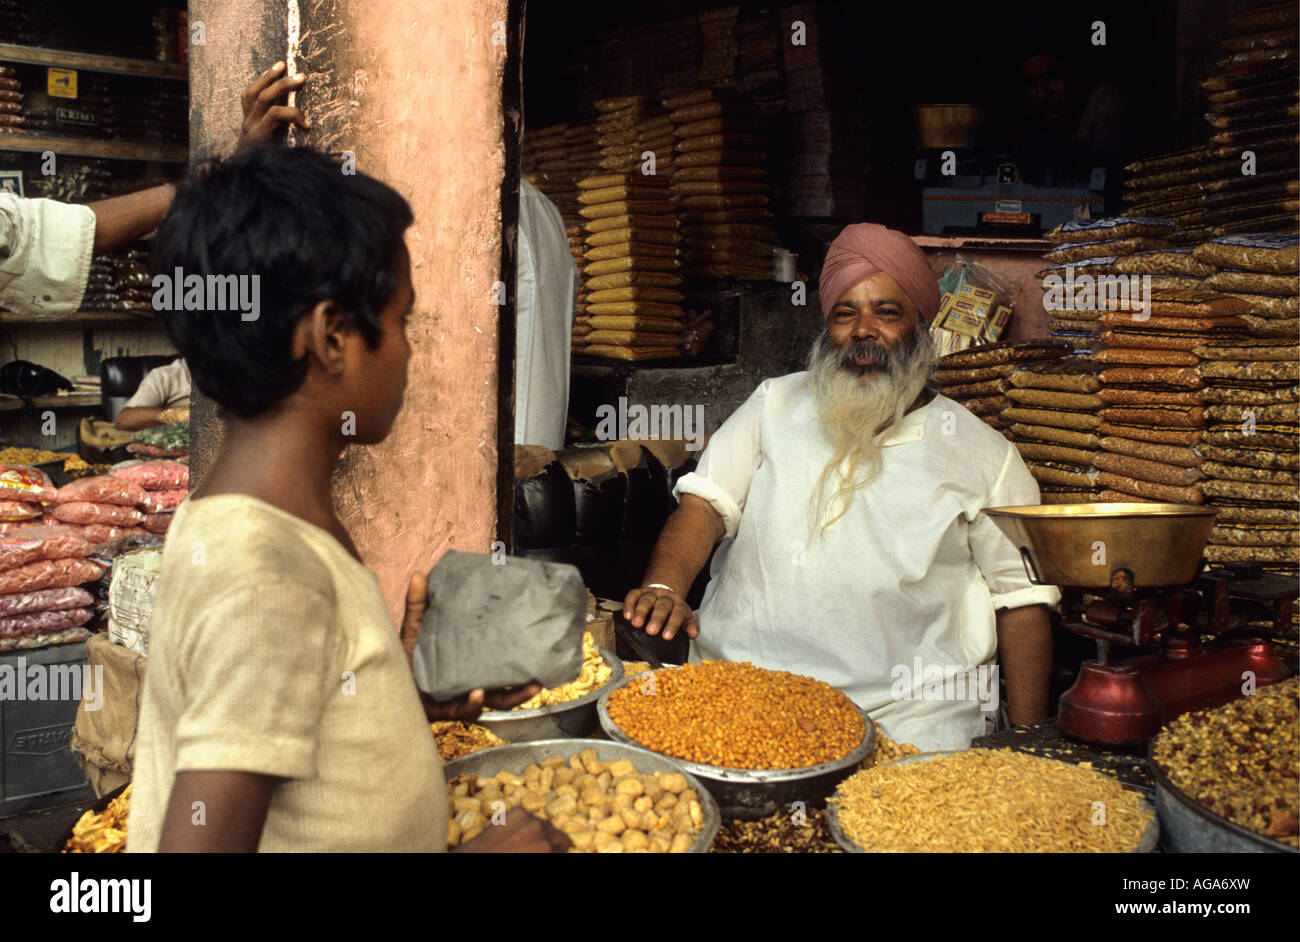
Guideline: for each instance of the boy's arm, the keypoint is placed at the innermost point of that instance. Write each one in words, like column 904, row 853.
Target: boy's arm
column 216, row 812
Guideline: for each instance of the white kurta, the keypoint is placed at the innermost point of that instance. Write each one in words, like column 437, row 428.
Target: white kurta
column 45, row 253
column 545, row 292
column 914, row 569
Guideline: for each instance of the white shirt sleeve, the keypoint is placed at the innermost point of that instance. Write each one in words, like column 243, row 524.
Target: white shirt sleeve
column 995, row 554
column 45, row 253
column 728, row 464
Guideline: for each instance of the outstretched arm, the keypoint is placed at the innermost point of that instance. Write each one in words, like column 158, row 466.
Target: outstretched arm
column 679, row 554
column 1025, row 651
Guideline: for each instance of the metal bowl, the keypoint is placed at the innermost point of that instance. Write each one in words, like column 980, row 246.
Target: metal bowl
column 1082, row 544
column 573, row 719
column 516, row 758
column 1146, row 845
column 1191, row 828
column 750, row 794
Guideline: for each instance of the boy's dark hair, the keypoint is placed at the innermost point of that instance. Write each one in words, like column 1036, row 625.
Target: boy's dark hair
column 309, row 231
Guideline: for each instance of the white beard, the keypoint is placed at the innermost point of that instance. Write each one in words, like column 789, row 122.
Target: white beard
column 858, row 407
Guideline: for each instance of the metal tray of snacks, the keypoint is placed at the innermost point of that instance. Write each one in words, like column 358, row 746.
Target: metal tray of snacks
column 517, row 757
column 1191, row 828
column 574, row 718
column 750, row 794
column 1146, row 845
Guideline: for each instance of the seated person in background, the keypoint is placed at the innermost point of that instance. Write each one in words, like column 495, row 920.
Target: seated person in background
column 163, row 398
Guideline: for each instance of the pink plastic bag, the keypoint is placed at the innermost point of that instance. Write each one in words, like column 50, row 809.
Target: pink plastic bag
column 44, row 600
column 18, row 626
column 49, row 574
column 23, row 545
column 100, row 489
column 19, row 482
column 161, row 502
column 84, row 511
column 154, row 475
column 158, row 523
column 106, row 539
column 14, row 511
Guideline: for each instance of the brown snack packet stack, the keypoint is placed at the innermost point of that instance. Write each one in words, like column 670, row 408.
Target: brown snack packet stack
column 1053, row 420
column 977, row 377
column 630, row 265
column 721, row 186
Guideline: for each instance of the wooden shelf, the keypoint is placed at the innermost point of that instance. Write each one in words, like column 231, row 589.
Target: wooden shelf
column 36, row 55
column 74, row 401
column 988, row 243
column 84, row 147
column 77, row 317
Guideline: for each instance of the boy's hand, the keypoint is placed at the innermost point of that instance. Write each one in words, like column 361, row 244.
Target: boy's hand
column 520, row 834
column 265, row 113
column 468, row 707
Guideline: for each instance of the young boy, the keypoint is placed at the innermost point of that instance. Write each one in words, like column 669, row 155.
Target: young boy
column 279, row 710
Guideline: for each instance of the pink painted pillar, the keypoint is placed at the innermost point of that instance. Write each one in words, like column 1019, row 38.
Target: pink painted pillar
column 425, row 94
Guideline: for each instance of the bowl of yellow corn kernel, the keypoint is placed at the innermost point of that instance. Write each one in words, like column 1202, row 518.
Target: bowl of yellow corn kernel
column 564, row 712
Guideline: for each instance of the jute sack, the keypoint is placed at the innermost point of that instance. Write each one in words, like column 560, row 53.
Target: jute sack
column 104, row 740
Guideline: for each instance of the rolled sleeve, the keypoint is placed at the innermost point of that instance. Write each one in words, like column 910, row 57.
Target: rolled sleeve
column 258, row 670
column 995, row 554
column 45, row 254
column 728, row 464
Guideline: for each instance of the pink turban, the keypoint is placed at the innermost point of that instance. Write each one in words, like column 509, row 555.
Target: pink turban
column 866, row 248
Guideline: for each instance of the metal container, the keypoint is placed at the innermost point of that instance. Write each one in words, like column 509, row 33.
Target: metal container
column 750, row 794
column 1145, row 846
column 516, row 758
column 1082, row 544
column 576, row 718
column 1191, row 828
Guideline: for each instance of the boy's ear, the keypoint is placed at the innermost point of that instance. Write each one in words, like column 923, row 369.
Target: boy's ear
column 320, row 334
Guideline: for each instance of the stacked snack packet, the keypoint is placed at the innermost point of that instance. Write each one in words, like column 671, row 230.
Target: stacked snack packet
column 632, row 307
column 42, row 570
column 164, row 483
column 628, row 128
column 1059, row 445
column 1244, row 179
column 977, row 377
column 1251, row 445
column 1076, row 283
column 721, row 186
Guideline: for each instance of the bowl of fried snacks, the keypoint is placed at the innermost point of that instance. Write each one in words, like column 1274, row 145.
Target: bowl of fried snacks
column 564, row 712
column 102, row 829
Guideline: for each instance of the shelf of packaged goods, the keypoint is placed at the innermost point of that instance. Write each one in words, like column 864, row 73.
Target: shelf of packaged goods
column 85, row 147
column 988, row 243
column 76, row 317
column 62, row 58
column 74, row 401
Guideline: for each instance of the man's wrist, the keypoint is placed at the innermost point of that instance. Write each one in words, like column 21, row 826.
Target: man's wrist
column 660, row 585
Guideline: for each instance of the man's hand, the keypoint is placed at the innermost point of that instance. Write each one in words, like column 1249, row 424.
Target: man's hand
column 660, row 609
column 520, row 834
column 468, row 707
column 265, row 110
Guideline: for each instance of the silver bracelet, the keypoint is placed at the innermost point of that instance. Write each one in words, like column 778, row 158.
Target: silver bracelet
column 660, row 585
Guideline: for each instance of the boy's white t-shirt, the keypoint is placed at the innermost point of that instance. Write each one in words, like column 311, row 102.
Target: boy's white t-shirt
column 272, row 651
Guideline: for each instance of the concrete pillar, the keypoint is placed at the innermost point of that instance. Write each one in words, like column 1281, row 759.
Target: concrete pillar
column 426, row 94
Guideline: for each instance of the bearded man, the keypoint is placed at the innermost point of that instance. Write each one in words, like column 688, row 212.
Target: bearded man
column 850, row 501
